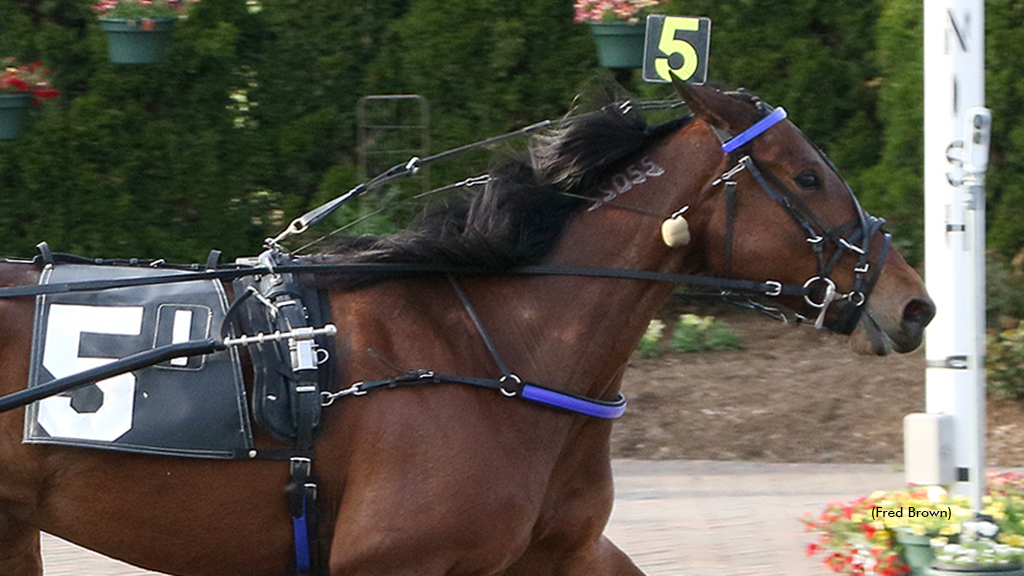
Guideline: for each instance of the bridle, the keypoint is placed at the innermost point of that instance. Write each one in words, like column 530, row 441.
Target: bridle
column 853, row 236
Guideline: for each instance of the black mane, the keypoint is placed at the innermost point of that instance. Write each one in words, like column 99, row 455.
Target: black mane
column 522, row 212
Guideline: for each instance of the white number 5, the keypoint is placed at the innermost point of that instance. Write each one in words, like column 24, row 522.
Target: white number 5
column 64, row 330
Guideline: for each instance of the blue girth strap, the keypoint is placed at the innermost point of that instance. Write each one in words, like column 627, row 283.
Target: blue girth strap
column 302, row 494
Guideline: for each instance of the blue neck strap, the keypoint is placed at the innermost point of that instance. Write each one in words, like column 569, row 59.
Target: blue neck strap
column 776, row 116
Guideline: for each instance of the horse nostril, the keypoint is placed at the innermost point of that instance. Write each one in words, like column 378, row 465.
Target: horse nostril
column 918, row 311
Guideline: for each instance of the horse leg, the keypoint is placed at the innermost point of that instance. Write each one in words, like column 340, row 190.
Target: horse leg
column 601, row 558
column 19, row 548
column 550, row 557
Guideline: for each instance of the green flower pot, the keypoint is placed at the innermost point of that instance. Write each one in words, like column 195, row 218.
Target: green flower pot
column 942, row 570
column 917, row 551
column 619, row 44
column 138, row 41
column 12, row 108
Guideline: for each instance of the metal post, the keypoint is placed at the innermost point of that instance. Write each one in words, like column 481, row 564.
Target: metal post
column 954, row 82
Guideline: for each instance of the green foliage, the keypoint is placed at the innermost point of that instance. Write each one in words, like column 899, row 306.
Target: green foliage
column 1004, row 298
column 253, row 120
column 893, row 186
column 704, row 334
column 1004, row 363
column 1004, row 86
column 650, row 342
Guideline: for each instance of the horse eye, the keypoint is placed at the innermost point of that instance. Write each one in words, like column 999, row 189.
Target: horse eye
column 808, row 180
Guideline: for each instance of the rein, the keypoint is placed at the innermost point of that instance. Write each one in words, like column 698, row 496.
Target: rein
column 769, row 288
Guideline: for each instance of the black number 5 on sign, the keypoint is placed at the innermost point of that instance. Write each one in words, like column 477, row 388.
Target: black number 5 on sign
column 679, row 44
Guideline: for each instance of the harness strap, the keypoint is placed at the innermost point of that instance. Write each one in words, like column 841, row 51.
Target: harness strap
column 399, row 270
column 606, row 409
column 302, row 496
column 505, row 373
column 730, row 220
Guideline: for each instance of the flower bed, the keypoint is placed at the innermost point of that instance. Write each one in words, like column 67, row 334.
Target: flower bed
column 859, row 538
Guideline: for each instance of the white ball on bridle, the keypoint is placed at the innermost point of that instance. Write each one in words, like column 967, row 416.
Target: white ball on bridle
column 675, row 231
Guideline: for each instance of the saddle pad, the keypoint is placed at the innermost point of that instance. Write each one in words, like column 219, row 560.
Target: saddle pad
column 184, row 407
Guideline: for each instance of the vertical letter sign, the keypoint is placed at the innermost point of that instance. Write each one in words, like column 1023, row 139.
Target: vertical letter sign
column 679, row 44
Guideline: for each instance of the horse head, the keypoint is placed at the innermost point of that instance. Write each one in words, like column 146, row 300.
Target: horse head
column 779, row 209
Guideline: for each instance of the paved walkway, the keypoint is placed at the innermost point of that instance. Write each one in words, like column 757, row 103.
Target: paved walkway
column 678, row 517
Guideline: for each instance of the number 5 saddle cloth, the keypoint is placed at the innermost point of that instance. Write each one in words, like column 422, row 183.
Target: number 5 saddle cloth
column 192, row 406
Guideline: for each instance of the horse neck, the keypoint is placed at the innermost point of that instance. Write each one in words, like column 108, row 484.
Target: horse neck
column 582, row 330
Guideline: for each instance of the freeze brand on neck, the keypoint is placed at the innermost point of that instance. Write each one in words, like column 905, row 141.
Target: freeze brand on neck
column 622, row 182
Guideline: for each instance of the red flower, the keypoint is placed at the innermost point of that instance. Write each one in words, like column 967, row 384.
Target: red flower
column 812, row 549
column 869, row 530
column 26, row 79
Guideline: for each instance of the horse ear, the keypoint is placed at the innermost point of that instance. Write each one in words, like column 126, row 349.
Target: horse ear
column 718, row 109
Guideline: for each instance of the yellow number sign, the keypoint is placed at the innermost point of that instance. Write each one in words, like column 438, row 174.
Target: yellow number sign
column 679, row 44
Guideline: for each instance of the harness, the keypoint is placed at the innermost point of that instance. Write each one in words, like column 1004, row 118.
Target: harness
column 820, row 289
column 288, row 330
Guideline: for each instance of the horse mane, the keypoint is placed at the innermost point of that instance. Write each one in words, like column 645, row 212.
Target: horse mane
column 521, row 213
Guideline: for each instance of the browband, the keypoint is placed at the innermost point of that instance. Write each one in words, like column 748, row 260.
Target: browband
column 776, row 116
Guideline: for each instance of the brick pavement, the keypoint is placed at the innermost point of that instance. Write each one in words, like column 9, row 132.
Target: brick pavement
column 674, row 517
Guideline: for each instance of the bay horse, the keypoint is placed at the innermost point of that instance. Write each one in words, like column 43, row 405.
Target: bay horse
column 458, row 480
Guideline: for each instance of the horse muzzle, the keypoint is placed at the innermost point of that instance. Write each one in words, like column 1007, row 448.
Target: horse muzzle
column 879, row 333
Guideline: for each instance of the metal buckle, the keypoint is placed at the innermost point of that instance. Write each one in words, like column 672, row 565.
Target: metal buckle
column 303, row 464
column 740, row 166
column 851, row 247
column 776, row 288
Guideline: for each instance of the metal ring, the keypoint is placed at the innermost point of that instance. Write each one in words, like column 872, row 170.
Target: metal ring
column 857, row 298
column 830, row 290
column 509, row 393
column 321, row 360
column 326, row 399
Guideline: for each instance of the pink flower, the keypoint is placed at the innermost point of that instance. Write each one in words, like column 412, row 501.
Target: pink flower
column 599, row 10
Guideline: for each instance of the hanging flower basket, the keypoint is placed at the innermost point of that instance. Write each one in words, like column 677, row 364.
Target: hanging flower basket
column 619, row 44
column 12, row 108
column 138, row 41
column 20, row 85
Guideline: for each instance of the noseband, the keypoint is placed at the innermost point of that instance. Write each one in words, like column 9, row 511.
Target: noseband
column 844, row 237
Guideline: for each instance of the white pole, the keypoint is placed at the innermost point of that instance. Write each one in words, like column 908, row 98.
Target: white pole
column 954, row 82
